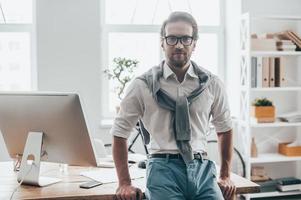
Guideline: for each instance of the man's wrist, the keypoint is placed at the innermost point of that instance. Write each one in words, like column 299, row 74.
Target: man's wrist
column 125, row 182
column 224, row 174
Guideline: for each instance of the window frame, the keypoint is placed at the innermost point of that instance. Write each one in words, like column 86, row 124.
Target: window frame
column 29, row 28
column 106, row 29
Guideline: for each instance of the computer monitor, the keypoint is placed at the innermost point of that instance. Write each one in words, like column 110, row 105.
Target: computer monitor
column 58, row 117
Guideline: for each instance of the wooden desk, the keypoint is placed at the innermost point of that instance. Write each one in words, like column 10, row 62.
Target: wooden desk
column 69, row 189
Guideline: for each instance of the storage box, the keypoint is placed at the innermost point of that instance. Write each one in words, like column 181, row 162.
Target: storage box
column 263, row 113
column 289, row 151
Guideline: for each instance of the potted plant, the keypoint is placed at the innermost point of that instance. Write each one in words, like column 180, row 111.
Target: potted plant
column 122, row 72
column 263, row 110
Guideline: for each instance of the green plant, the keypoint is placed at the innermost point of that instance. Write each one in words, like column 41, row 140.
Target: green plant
column 122, row 72
column 262, row 102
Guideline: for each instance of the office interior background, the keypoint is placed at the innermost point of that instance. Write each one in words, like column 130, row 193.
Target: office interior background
column 65, row 45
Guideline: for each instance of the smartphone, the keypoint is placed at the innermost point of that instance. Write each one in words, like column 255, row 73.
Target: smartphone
column 90, row 184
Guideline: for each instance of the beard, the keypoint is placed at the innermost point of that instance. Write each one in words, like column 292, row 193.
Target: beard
column 178, row 59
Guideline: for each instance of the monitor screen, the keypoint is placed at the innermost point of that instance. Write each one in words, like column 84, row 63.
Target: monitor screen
column 59, row 116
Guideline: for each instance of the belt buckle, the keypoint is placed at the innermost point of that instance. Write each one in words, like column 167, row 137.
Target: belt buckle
column 198, row 156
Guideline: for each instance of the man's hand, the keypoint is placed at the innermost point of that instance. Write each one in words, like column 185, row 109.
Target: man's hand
column 128, row 192
column 228, row 188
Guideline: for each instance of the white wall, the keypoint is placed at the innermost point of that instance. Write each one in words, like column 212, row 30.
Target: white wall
column 68, row 51
column 285, row 7
column 232, row 35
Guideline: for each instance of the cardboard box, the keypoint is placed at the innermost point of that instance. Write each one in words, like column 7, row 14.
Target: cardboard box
column 289, row 151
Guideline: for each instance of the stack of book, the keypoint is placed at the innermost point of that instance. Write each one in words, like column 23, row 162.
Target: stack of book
column 267, row 72
column 290, row 35
column 288, row 184
column 292, row 117
column 283, row 41
column 285, row 45
column 263, row 44
column 281, row 184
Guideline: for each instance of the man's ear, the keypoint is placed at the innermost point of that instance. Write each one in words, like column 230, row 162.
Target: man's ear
column 193, row 45
column 162, row 44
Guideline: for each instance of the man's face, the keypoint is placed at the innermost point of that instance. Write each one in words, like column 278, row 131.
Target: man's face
column 178, row 55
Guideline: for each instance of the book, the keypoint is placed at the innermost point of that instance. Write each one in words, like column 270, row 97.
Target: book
column 288, row 184
column 288, row 181
column 285, row 188
column 279, row 72
column 267, row 186
column 291, row 117
column 265, row 72
column 284, row 42
column 259, row 72
column 271, row 72
column 253, row 72
column 289, row 35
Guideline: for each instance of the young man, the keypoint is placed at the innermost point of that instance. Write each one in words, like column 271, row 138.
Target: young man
column 175, row 101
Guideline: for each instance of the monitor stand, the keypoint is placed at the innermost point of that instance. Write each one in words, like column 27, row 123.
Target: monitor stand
column 29, row 173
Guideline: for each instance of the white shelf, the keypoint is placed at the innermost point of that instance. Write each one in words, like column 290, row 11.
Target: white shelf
column 275, row 53
column 276, row 89
column 274, row 124
column 277, row 17
column 273, row 194
column 274, row 157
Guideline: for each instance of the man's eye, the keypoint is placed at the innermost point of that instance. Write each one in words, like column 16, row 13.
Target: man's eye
column 172, row 38
column 186, row 39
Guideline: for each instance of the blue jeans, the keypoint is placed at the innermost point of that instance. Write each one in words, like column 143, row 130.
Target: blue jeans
column 171, row 179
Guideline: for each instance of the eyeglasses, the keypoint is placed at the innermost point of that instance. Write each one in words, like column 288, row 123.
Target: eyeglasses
column 173, row 40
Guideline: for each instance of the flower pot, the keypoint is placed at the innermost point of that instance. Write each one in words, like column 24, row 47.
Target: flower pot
column 263, row 113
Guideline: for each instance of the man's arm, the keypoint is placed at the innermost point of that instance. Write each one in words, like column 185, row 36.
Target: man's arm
column 226, row 150
column 125, row 189
column 120, row 156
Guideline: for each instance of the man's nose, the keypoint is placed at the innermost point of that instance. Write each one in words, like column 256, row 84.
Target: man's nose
column 179, row 45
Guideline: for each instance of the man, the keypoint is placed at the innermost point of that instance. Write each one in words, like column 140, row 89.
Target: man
column 175, row 101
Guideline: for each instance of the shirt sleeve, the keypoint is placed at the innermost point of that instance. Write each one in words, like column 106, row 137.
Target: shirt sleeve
column 131, row 109
column 221, row 117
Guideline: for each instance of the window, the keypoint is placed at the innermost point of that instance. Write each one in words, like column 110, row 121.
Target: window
column 131, row 29
column 16, row 32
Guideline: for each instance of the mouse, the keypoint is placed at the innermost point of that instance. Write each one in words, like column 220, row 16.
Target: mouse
column 142, row 164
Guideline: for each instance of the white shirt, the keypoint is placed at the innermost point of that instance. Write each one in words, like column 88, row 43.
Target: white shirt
column 139, row 103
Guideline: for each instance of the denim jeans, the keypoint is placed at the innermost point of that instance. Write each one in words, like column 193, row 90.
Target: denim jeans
column 171, row 179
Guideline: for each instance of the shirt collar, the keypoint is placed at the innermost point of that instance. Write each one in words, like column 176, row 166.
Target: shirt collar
column 167, row 72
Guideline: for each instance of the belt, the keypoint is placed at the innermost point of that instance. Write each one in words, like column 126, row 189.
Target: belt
column 197, row 156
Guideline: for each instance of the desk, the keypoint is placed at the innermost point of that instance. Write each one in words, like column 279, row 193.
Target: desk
column 69, row 189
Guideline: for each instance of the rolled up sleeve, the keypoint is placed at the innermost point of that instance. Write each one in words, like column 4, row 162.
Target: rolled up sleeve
column 221, row 116
column 131, row 109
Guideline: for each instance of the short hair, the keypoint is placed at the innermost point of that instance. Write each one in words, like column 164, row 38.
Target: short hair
column 181, row 16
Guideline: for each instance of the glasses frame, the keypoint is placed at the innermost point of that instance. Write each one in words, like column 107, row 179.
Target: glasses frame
column 179, row 39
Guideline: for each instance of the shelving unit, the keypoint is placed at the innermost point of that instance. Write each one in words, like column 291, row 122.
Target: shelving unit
column 273, row 158
column 269, row 134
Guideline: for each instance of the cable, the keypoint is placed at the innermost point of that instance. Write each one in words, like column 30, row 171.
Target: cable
column 2, row 13
column 20, row 183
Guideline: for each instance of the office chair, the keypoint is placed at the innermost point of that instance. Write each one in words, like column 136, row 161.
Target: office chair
column 238, row 164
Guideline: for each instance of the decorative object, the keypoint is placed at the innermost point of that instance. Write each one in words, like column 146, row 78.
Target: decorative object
column 258, row 173
column 286, row 150
column 263, row 110
column 122, row 72
column 254, row 152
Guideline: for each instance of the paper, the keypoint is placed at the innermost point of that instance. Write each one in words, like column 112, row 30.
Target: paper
column 109, row 175
column 293, row 144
